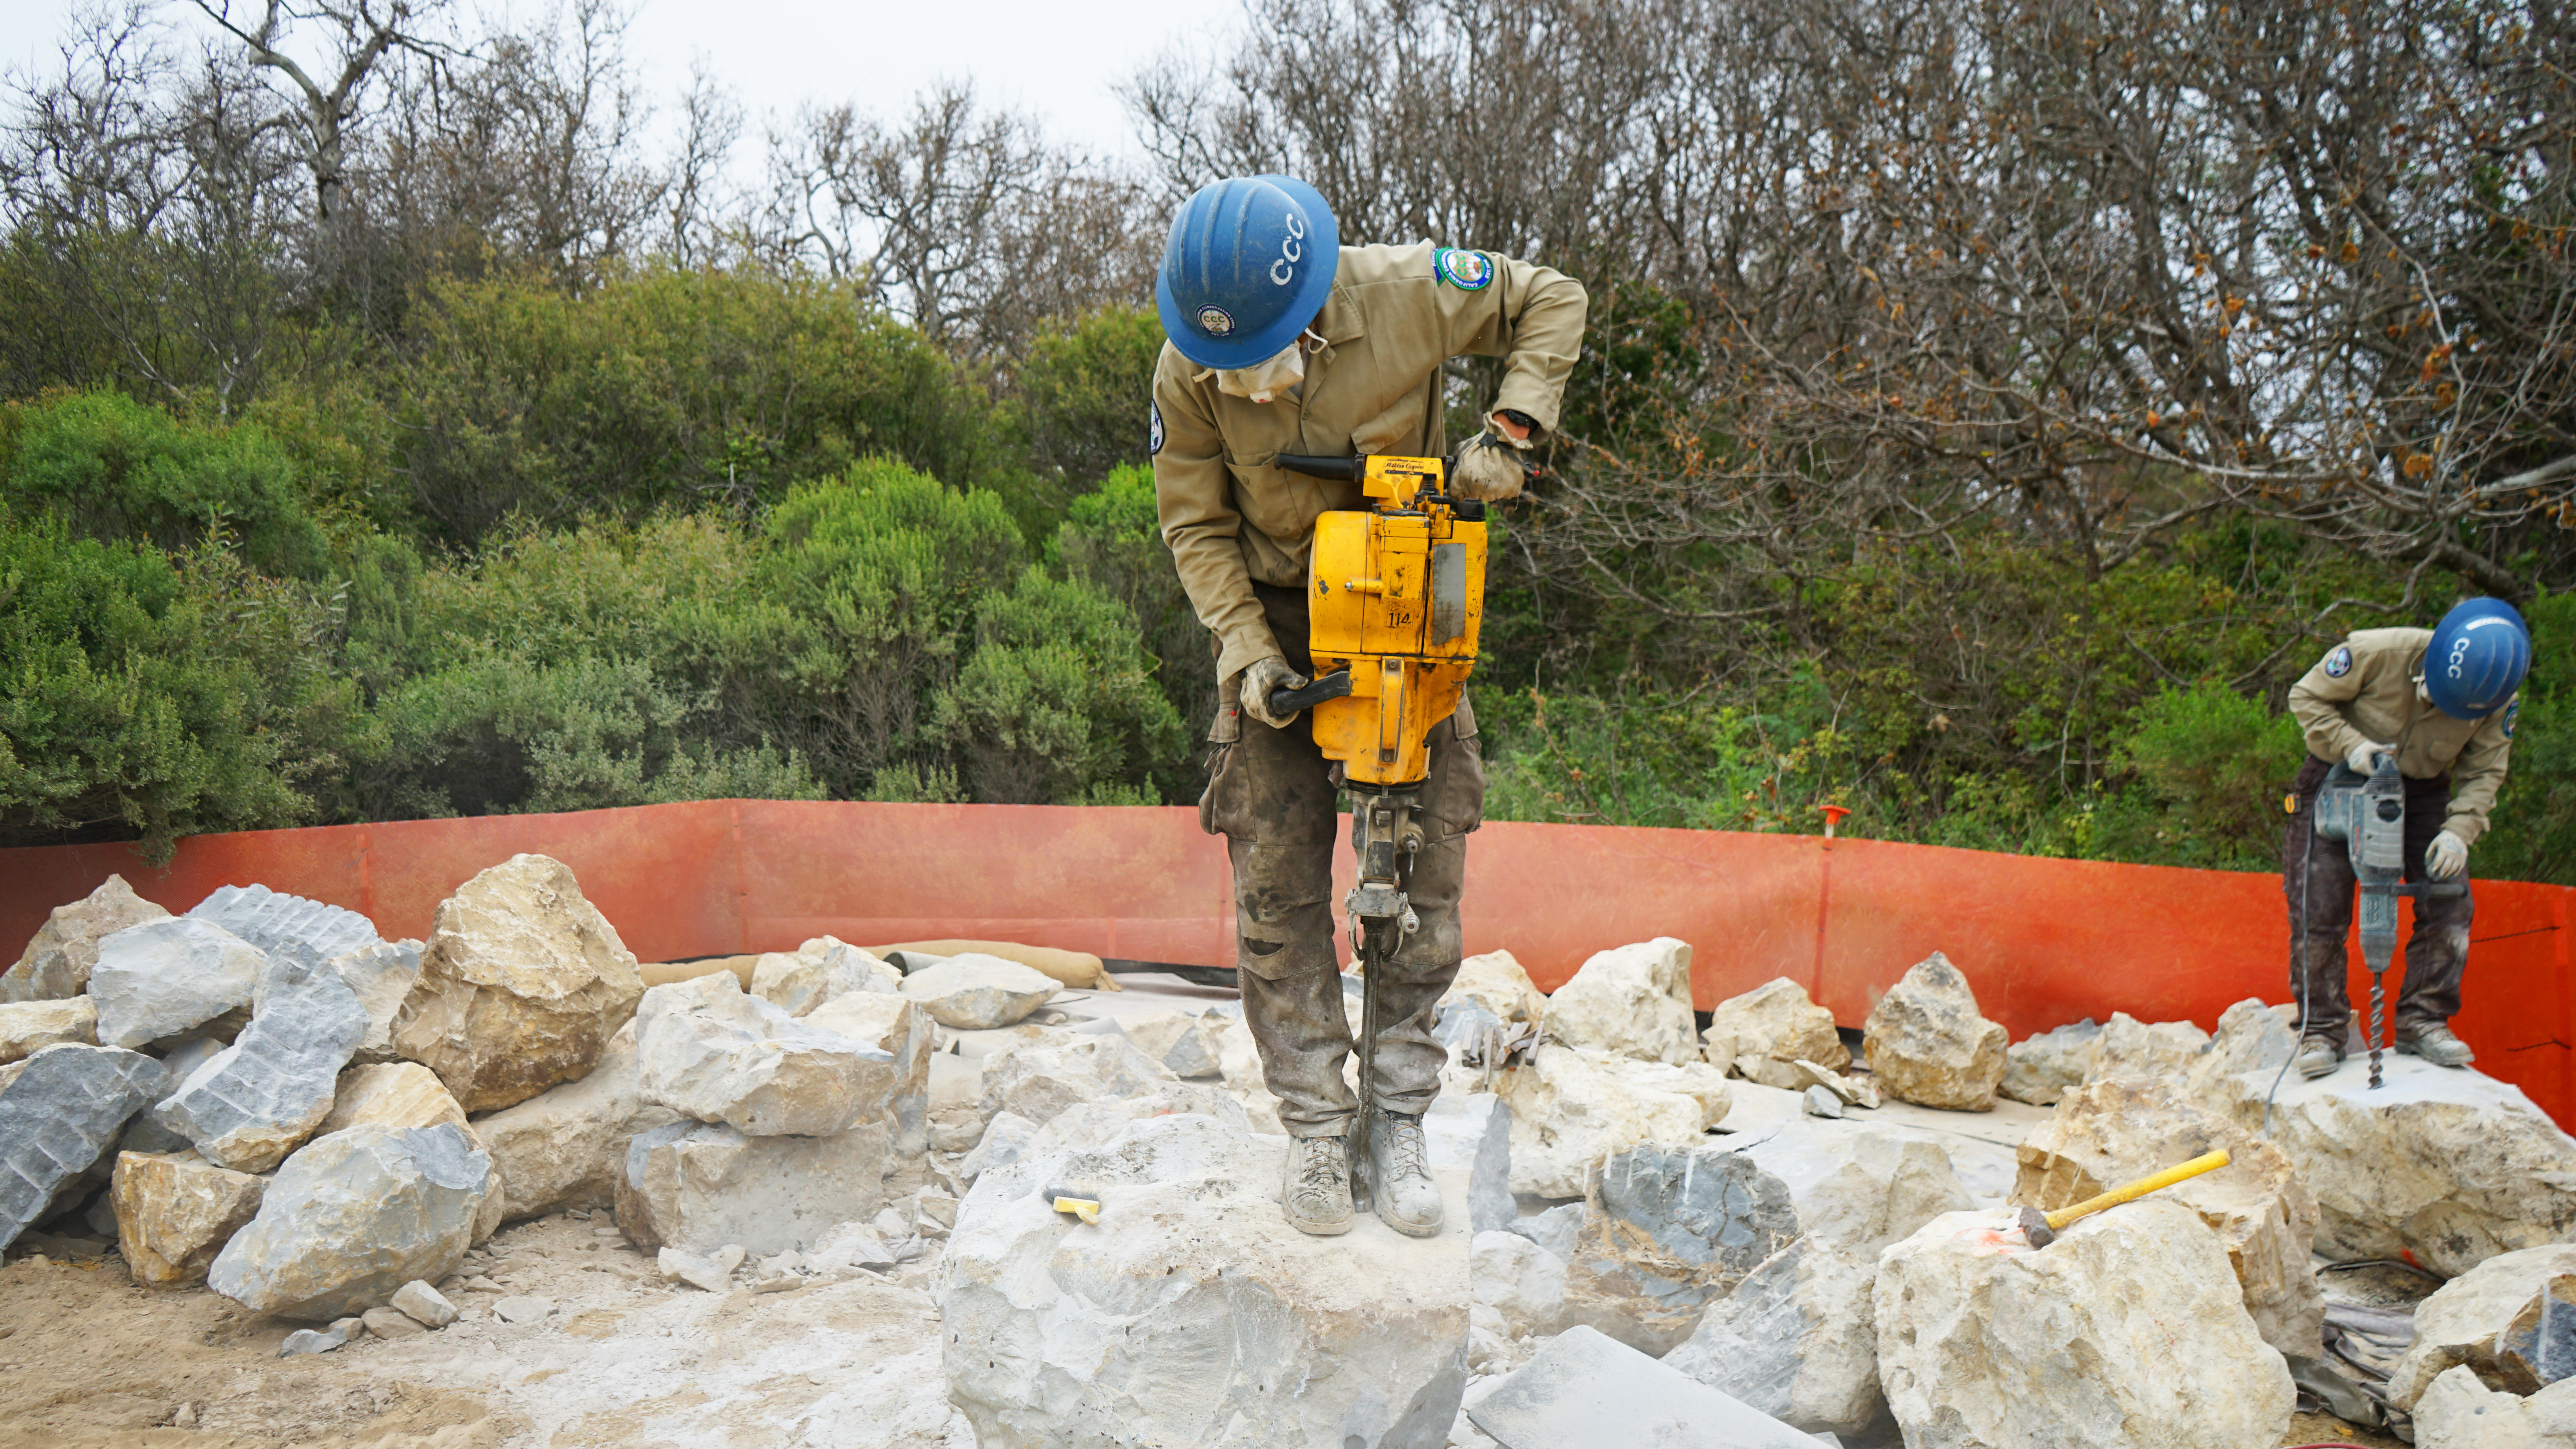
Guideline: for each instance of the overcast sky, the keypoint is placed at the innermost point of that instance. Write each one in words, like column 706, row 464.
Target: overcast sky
column 1055, row 61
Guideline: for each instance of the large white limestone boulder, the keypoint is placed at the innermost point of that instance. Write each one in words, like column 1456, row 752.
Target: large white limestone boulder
column 354, row 1216
column 976, row 992
column 1571, row 1109
column 1497, row 982
column 1042, row 1078
column 1928, row 1045
column 2459, row 1412
column 159, row 979
column 2128, row 1332
column 698, row 1186
column 706, row 1050
column 407, row 1094
column 522, row 985
column 175, row 1211
column 2446, row 1163
column 819, row 971
column 57, row 961
column 2128, row 1047
column 1764, row 1033
column 1630, row 1001
column 886, row 1022
column 564, row 1147
column 1192, row 1313
column 1795, row 1338
column 2119, row 1129
column 2457, row 1327
column 29, row 1026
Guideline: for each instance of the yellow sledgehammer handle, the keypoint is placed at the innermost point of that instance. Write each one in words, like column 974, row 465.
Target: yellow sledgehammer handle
column 2206, row 1162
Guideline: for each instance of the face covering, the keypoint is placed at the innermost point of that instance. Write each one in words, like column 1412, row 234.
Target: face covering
column 1267, row 379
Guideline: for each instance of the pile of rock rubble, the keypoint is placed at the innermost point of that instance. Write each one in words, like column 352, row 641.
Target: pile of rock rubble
column 1734, row 1230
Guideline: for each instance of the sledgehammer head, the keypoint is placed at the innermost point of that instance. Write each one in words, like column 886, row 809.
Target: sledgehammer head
column 2034, row 1226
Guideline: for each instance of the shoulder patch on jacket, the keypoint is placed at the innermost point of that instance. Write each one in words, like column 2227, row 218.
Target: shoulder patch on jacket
column 1153, row 428
column 2339, row 663
column 2510, row 711
column 1466, row 271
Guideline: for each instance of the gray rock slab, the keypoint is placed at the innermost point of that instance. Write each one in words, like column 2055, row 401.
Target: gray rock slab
column 1558, row 1229
column 1700, row 1206
column 161, row 978
column 426, row 1305
column 320, row 1340
column 258, row 1099
column 1585, row 1390
column 353, row 1217
column 59, row 1114
column 144, row 1133
column 699, row 1186
column 282, row 925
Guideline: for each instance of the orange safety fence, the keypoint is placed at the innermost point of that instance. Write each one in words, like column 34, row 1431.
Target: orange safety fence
column 2044, row 942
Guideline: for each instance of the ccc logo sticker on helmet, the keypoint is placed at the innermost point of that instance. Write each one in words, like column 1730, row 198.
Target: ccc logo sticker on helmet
column 1291, row 251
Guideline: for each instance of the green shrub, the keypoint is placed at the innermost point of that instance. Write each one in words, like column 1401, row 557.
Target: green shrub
column 158, row 698
column 2533, row 836
column 2213, row 766
column 1057, row 704
column 1083, row 388
column 113, row 468
column 1112, row 539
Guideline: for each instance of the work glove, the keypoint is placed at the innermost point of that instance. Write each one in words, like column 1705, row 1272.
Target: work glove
column 2364, row 757
column 2446, row 857
column 1262, row 676
column 1490, row 466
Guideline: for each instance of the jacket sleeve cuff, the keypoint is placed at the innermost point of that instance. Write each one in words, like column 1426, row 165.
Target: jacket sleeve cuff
column 2467, row 827
column 1244, row 646
column 1525, row 394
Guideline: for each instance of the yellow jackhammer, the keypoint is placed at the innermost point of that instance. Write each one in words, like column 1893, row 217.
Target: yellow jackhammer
column 1394, row 598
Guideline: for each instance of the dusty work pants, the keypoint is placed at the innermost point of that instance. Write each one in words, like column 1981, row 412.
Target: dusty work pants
column 1272, row 794
column 2317, row 878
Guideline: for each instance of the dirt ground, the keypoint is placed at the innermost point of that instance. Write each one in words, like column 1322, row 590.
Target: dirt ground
column 88, row 1359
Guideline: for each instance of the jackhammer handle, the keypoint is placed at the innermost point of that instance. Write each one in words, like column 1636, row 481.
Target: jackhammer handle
column 1316, row 465
column 2206, row 1162
column 1285, row 702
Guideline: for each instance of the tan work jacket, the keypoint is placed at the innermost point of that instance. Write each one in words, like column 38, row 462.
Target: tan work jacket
column 1374, row 387
column 2364, row 689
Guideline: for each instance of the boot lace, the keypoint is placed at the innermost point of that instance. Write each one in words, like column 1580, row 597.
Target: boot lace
column 1404, row 1149
column 1319, row 1164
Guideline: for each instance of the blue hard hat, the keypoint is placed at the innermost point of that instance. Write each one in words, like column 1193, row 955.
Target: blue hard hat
column 1249, row 263
column 2479, row 654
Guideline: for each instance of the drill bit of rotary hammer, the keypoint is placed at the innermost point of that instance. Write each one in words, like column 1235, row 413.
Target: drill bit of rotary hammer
column 2367, row 814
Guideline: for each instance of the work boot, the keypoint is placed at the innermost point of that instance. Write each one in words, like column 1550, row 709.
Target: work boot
column 2437, row 1045
column 2318, row 1056
column 1317, row 1193
column 1400, row 1185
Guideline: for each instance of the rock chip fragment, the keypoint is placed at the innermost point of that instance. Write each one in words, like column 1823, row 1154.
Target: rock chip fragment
column 1776, row 1024
column 1571, row 1109
column 424, row 1304
column 258, row 1099
column 1497, row 983
column 27, row 1026
column 2119, row 1129
column 322, row 1340
column 699, row 1186
column 564, row 1147
column 60, row 1112
column 710, row 1271
column 58, row 959
column 522, row 985
column 706, row 1050
column 1193, row 1313
column 2130, row 1329
column 2445, row 1163
column 522, row 1308
column 164, row 977
column 175, row 1211
column 976, row 992
column 354, row 1216
column 2462, row 1323
column 392, row 1323
column 1630, row 1001
column 1928, row 1045
column 2044, row 1066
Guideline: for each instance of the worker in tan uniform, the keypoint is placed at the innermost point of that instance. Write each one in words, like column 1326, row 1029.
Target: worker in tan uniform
column 1281, row 340
column 2442, row 700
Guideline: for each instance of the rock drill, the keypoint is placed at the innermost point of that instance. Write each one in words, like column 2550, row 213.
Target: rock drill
column 2368, row 814
column 1395, row 595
